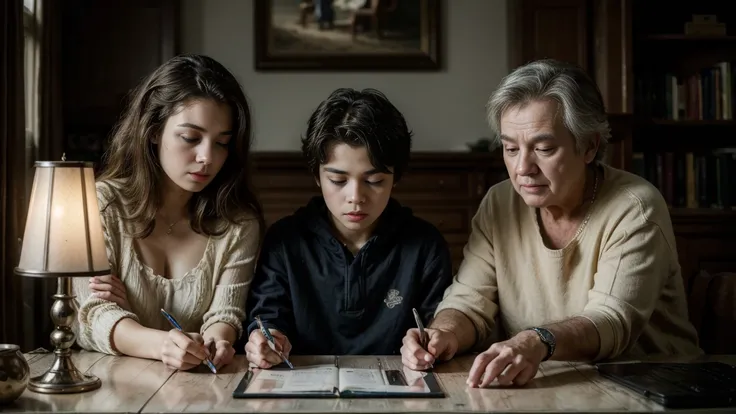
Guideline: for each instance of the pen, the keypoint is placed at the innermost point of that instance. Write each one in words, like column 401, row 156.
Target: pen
column 423, row 335
column 271, row 341
column 176, row 325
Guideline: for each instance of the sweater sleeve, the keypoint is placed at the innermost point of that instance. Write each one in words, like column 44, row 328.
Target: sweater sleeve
column 96, row 318
column 632, row 270
column 474, row 290
column 233, row 283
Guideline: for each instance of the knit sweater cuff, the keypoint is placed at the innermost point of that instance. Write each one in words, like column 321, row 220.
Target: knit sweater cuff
column 99, row 327
column 606, row 332
column 227, row 307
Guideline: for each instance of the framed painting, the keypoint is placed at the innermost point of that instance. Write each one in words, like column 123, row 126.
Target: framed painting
column 369, row 35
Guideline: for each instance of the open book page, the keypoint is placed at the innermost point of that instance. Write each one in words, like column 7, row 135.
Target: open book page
column 309, row 379
column 382, row 381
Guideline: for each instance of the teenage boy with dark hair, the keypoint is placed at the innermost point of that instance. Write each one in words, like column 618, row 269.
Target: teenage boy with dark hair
column 341, row 275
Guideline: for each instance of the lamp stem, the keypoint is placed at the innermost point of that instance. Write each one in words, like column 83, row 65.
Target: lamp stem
column 63, row 377
column 63, row 287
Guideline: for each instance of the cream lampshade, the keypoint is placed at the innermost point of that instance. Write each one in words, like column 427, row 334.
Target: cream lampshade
column 63, row 239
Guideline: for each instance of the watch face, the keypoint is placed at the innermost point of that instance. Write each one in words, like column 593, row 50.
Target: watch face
column 545, row 335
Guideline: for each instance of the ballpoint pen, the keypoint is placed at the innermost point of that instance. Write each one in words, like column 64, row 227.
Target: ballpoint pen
column 271, row 341
column 423, row 336
column 176, row 325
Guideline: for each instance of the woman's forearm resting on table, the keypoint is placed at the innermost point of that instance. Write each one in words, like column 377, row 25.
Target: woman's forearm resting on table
column 131, row 338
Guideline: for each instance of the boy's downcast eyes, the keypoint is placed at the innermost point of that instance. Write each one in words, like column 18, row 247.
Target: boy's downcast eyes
column 342, row 182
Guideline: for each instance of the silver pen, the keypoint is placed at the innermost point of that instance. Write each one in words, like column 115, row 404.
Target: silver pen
column 423, row 335
column 272, row 342
column 178, row 327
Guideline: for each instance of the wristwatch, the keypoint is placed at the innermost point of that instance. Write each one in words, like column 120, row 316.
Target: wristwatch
column 548, row 339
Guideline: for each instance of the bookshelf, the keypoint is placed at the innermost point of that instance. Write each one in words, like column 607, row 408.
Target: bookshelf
column 684, row 133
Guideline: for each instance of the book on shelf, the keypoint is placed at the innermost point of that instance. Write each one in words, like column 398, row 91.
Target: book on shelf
column 336, row 380
column 707, row 95
column 698, row 179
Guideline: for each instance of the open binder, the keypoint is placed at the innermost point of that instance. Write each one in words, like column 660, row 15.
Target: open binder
column 335, row 381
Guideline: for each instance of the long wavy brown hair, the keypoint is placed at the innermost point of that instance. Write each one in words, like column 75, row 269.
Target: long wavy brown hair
column 132, row 158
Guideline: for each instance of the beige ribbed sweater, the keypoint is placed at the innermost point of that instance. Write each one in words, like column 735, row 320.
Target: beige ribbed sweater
column 621, row 271
column 214, row 291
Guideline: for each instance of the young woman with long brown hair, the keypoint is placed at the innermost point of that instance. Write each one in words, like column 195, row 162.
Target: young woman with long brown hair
column 181, row 223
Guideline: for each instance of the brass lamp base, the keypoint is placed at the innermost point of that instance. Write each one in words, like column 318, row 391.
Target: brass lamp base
column 63, row 377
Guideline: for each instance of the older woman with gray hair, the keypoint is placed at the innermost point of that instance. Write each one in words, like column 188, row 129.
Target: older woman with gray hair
column 575, row 258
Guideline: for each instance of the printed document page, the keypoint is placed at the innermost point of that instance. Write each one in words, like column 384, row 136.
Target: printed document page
column 319, row 378
column 382, row 381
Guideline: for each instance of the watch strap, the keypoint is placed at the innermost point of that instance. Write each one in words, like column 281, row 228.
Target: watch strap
column 548, row 339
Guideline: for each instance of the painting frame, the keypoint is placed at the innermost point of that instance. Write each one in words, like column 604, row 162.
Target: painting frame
column 426, row 59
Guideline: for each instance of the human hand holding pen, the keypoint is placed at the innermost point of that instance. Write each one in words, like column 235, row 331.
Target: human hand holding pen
column 441, row 345
column 221, row 351
column 183, row 350
column 259, row 352
column 423, row 336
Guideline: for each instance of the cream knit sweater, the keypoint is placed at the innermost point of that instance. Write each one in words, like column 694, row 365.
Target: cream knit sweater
column 213, row 291
column 620, row 271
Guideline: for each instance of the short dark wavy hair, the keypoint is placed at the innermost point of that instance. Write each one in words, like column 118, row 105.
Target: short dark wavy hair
column 363, row 118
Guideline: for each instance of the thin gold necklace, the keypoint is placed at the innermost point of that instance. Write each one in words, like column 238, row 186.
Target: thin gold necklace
column 595, row 185
column 171, row 226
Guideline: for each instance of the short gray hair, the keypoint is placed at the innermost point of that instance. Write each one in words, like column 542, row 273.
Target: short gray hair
column 583, row 111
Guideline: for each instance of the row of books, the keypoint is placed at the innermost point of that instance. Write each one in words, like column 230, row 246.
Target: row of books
column 703, row 96
column 705, row 179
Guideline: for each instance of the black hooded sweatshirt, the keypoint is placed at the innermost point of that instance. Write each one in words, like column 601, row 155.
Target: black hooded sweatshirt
column 309, row 286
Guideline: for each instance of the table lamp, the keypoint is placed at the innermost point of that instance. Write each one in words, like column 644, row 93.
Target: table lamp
column 63, row 239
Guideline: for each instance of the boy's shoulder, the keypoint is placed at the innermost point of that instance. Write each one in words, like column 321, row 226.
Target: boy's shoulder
column 418, row 228
column 284, row 229
column 410, row 228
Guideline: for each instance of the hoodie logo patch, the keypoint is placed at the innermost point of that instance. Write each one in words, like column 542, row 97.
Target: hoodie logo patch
column 393, row 298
